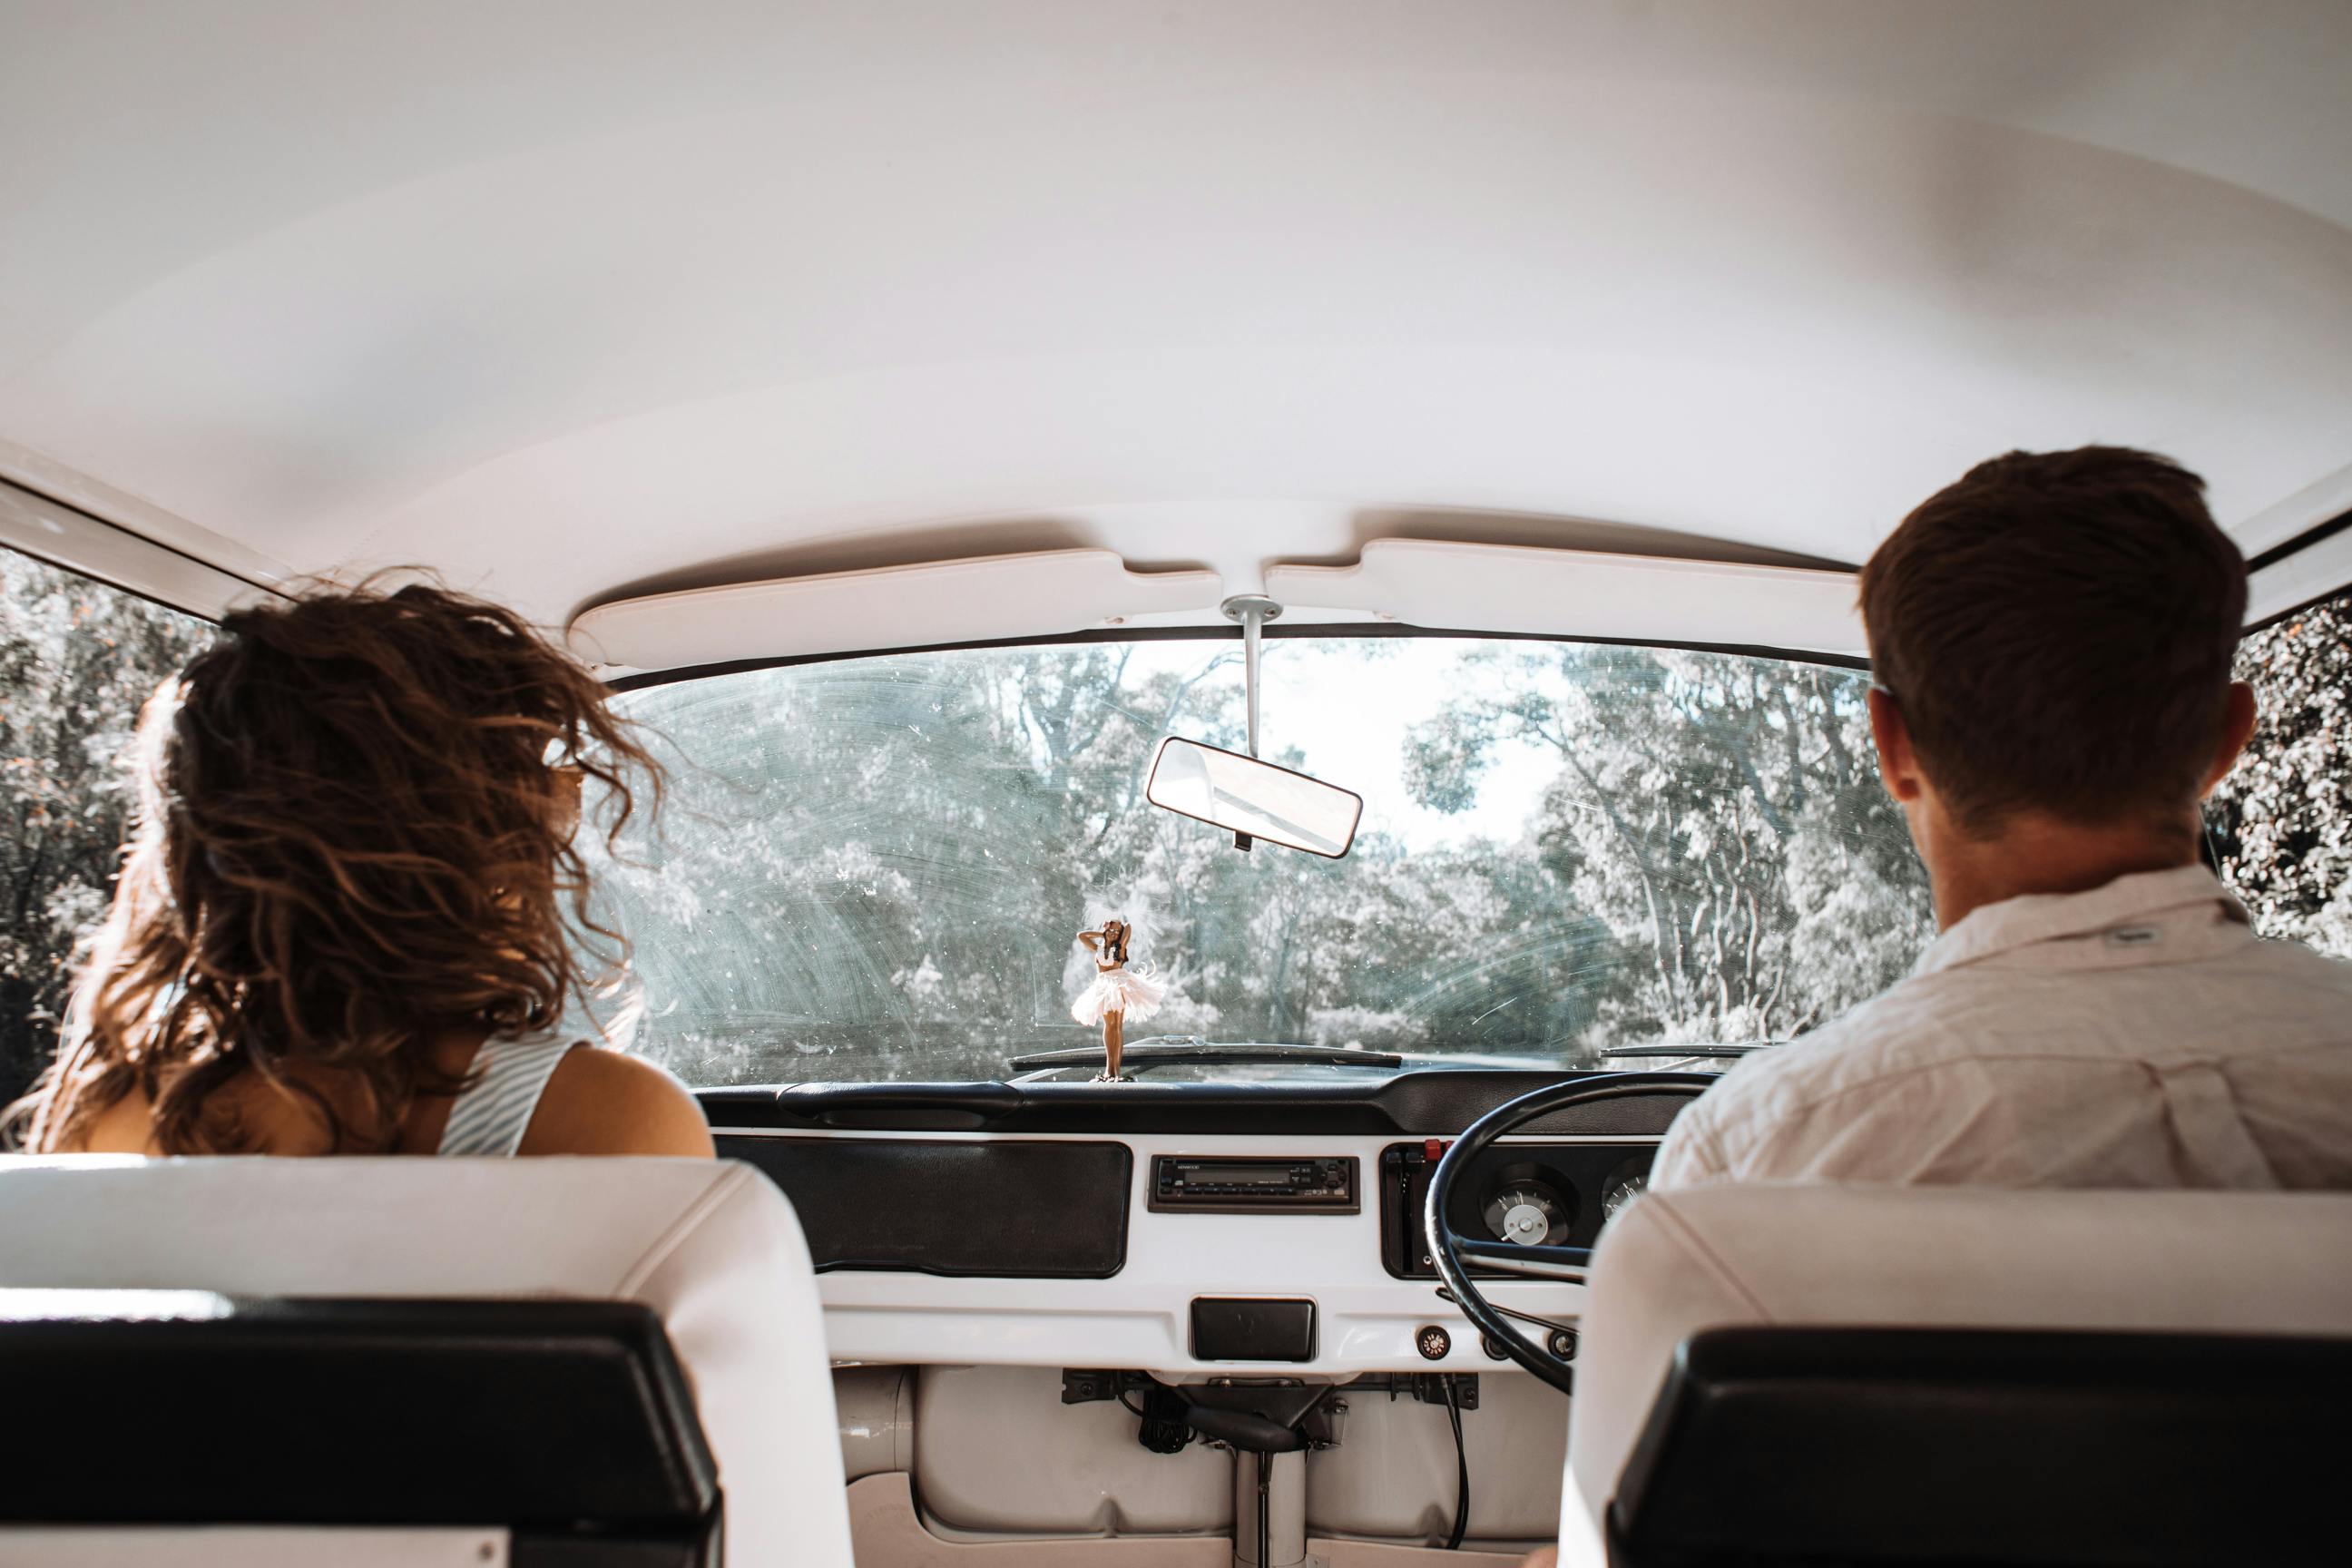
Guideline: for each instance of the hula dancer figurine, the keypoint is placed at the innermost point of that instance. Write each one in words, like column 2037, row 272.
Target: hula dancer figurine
column 1117, row 993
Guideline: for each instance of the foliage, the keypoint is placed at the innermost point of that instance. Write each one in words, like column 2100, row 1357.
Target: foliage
column 77, row 660
column 1721, row 817
column 883, row 861
column 2281, row 823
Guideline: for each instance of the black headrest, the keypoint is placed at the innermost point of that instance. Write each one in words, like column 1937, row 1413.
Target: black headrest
column 179, row 1408
column 1938, row 1446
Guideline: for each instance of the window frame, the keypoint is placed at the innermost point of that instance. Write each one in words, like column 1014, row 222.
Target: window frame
column 75, row 542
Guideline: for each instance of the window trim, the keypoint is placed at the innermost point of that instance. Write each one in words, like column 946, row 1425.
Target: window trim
column 75, row 542
column 2322, row 554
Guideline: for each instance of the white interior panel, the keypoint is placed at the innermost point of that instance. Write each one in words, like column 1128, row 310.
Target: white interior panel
column 564, row 297
column 996, row 1450
column 1574, row 593
column 1393, row 1473
column 890, row 606
column 891, row 1532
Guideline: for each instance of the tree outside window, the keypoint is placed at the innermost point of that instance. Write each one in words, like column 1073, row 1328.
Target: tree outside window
column 77, row 660
column 2282, row 822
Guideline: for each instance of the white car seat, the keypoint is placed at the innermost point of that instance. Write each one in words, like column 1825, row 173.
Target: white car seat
column 712, row 1248
column 1677, row 1264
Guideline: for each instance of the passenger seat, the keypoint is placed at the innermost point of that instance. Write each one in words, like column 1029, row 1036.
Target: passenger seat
column 585, row 1338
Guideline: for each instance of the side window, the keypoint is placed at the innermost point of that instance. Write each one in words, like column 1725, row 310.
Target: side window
column 77, row 660
column 2282, row 821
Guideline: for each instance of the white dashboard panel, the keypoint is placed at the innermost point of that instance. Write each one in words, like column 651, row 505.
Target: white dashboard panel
column 1140, row 1318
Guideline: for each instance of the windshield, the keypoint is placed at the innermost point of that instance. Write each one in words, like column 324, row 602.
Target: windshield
column 875, row 868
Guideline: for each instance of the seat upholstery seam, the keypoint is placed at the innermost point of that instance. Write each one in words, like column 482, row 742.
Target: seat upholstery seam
column 729, row 1178
column 1696, row 1244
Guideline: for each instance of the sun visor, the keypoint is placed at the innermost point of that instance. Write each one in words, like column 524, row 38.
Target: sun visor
column 1581, row 593
column 934, row 603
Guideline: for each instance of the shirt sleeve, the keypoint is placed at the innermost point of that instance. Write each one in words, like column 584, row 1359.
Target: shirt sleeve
column 1691, row 1156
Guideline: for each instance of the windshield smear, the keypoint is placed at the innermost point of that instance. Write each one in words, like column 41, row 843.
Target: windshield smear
column 874, row 869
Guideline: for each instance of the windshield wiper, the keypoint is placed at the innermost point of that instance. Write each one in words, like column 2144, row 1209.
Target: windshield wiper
column 1178, row 1050
column 1734, row 1048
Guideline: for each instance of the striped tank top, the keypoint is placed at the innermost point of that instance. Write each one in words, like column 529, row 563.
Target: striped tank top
column 490, row 1113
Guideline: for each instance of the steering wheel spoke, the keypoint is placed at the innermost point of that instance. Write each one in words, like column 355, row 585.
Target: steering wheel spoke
column 1530, row 1262
column 1455, row 1254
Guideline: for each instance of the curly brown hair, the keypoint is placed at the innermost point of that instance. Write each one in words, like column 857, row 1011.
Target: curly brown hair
column 351, row 839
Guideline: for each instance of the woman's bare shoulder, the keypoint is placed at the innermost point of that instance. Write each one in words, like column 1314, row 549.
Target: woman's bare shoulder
column 126, row 1127
column 600, row 1101
column 249, row 1111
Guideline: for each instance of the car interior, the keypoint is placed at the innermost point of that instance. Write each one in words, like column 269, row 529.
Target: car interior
column 1251, row 612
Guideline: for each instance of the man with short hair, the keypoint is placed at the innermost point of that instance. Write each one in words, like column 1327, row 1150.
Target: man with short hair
column 2050, row 639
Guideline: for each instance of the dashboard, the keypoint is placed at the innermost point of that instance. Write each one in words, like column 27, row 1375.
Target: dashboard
column 1143, row 1240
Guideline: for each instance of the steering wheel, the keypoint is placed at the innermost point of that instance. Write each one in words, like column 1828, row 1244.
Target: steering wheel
column 1450, row 1249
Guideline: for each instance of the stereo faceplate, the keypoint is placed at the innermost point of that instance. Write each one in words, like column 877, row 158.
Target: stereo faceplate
column 1306, row 1184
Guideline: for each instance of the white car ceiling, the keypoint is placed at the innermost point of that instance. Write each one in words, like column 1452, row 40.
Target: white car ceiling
column 572, row 299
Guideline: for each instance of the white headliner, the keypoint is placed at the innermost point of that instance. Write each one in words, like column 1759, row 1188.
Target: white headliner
column 570, row 297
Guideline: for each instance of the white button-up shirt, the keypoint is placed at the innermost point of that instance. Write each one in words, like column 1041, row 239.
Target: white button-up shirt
column 2137, row 1035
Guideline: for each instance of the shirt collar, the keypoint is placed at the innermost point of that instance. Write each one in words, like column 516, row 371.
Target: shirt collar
column 2053, row 916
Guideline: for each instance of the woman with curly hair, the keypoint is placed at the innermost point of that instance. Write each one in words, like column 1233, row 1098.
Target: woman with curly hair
column 351, row 918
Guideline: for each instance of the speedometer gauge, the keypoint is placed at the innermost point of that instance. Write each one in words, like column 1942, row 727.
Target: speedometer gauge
column 1527, row 1212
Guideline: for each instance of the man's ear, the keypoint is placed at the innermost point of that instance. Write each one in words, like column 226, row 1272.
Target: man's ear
column 2237, row 729
column 1899, row 764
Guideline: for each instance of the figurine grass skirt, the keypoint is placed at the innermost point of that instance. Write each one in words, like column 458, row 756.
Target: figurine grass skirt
column 1119, row 991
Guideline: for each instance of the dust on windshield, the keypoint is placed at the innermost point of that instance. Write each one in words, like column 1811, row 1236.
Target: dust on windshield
column 874, row 869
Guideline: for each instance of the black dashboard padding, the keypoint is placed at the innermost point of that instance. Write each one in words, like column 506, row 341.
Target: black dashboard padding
column 1866, row 1447
column 1427, row 1102
column 1001, row 1207
column 569, row 1422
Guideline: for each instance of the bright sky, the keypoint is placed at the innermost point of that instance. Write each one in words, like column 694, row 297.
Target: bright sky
column 1347, row 702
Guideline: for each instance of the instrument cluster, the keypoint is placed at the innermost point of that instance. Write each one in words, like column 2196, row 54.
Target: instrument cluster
column 1532, row 1195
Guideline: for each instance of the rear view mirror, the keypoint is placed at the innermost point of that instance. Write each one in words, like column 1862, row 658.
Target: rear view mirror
column 1254, row 799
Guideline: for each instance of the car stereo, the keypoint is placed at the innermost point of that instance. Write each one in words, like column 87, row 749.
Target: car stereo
column 1244, row 1184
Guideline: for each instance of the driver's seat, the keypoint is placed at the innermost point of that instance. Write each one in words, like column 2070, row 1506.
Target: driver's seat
column 1786, row 1373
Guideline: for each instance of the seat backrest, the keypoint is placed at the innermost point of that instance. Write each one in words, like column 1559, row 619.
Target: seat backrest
column 555, row 1426
column 711, row 1248
column 1878, row 1448
column 1676, row 1265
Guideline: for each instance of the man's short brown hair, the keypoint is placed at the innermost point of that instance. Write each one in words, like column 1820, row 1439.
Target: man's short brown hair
column 2057, row 630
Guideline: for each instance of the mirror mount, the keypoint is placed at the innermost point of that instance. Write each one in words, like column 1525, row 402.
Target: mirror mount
column 1252, row 611
column 1247, row 797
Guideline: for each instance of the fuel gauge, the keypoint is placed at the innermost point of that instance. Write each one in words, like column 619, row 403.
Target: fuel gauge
column 1620, row 1194
column 1626, row 1182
